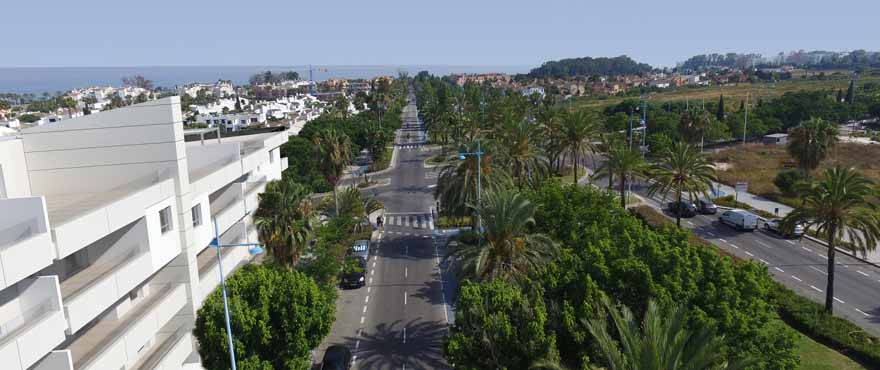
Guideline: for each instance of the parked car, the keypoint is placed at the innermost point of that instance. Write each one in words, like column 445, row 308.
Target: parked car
column 706, row 207
column 353, row 272
column 739, row 219
column 361, row 248
column 775, row 225
column 682, row 209
column 336, row 358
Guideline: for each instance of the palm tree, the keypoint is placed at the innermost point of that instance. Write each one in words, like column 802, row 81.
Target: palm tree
column 624, row 162
column 550, row 122
column 577, row 130
column 810, row 142
column 457, row 182
column 661, row 341
column 518, row 151
column 507, row 249
column 333, row 150
column 681, row 169
column 835, row 207
column 353, row 204
column 284, row 220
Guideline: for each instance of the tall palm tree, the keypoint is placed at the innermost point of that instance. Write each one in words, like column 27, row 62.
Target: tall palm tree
column 284, row 220
column 508, row 248
column 835, row 207
column 681, row 169
column 661, row 341
column 333, row 149
column 810, row 142
column 354, row 204
column 457, row 182
column 550, row 120
column 577, row 130
column 623, row 162
column 519, row 151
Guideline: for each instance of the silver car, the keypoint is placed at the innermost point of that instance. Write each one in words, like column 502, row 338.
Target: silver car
column 775, row 225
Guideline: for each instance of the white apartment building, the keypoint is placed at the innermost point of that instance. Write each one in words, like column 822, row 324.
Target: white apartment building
column 232, row 121
column 105, row 222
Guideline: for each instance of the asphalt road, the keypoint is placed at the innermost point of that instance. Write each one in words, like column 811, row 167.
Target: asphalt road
column 801, row 265
column 398, row 320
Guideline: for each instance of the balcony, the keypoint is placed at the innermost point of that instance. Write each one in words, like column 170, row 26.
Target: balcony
column 252, row 192
column 32, row 323
column 212, row 166
column 171, row 348
column 25, row 241
column 233, row 258
column 227, row 205
column 55, row 360
column 115, row 341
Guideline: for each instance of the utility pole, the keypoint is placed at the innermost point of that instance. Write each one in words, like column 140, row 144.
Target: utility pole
column 746, row 122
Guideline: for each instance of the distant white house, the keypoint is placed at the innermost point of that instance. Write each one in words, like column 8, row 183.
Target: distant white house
column 11, row 123
column 531, row 90
column 232, row 121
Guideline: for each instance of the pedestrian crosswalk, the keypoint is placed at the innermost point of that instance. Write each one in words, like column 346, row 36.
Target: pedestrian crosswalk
column 415, row 221
column 420, row 146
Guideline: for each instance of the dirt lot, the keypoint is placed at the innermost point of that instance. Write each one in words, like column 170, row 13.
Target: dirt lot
column 758, row 164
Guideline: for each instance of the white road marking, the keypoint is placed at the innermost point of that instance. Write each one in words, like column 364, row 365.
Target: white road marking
column 862, row 312
column 404, row 298
column 823, row 256
column 353, row 359
column 796, row 278
column 368, row 289
column 859, row 271
column 791, row 242
column 750, row 254
column 362, row 319
column 365, row 309
column 371, row 280
column 442, row 289
column 806, row 249
column 372, row 271
column 763, row 244
column 765, row 262
column 723, row 241
column 823, row 272
column 733, row 245
column 841, row 302
column 816, row 289
column 779, row 269
column 690, row 223
column 404, row 334
column 710, row 233
column 405, row 272
column 367, row 299
column 432, row 186
column 374, row 264
column 357, row 344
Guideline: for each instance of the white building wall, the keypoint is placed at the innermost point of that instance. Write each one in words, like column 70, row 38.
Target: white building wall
column 13, row 169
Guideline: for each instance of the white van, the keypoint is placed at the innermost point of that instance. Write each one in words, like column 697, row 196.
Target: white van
column 739, row 219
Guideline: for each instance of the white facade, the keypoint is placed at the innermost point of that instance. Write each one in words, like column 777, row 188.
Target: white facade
column 232, row 121
column 104, row 226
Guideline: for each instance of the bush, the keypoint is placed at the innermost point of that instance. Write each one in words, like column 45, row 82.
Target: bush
column 810, row 318
column 786, row 180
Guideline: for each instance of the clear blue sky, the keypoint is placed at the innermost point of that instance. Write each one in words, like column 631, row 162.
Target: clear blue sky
column 394, row 32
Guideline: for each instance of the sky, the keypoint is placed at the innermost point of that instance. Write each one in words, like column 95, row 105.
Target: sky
column 41, row 33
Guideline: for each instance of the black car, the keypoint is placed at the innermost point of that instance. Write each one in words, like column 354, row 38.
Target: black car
column 706, row 207
column 353, row 272
column 682, row 209
column 336, row 358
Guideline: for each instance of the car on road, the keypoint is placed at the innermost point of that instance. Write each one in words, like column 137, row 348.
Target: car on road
column 336, row 357
column 353, row 272
column 682, row 209
column 775, row 225
column 706, row 207
column 361, row 248
column 739, row 219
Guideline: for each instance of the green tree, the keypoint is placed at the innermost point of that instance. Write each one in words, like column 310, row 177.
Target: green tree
column 284, row 220
column 719, row 114
column 277, row 317
column 623, row 162
column 577, row 132
column 850, row 92
column 508, row 248
column 811, row 142
column 457, row 182
column 519, row 151
column 662, row 341
column 498, row 325
column 354, row 206
column 334, row 152
column 682, row 169
column 837, row 207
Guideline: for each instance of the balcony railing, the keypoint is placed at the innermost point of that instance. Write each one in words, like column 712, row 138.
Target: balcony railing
column 13, row 324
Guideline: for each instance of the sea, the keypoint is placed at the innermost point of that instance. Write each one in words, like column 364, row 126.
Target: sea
column 37, row 80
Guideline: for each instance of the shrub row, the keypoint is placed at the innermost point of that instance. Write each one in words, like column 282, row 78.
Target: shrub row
column 810, row 318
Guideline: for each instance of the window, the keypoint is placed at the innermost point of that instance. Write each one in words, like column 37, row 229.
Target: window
column 197, row 215
column 165, row 219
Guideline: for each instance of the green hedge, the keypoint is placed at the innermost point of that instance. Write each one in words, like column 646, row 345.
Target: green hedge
column 810, row 318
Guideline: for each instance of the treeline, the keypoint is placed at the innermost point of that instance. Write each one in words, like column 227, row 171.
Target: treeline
column 854, row 60
column 588, row 66
column 268, row 77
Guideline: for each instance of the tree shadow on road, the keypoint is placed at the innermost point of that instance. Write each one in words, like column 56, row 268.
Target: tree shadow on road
column 383, row 347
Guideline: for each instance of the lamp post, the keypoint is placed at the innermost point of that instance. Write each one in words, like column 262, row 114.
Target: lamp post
column 254, row 249
column 479, row 155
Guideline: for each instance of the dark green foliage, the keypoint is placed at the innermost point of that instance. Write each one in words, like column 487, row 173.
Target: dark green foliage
column 786, row 181
column 587, row 66
column 278, row 315
column 719, row 114
column 850, row 92
column 302, row 164
column 28, row 118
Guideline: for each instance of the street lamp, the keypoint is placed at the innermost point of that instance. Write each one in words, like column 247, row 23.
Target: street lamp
column 254, row 249
column 479, row 155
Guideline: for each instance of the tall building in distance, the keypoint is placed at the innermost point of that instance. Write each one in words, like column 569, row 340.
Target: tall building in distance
column 105, row 222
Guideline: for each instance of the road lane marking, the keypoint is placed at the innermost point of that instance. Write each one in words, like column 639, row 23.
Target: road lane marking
column 353, row 360
column 796, row 278
column 371, row 280
column 367, row 299
column 365, row 309
column 723, row 241
column 690, row 223
column 733, row 245
column 859, row 271
column 779, row 269
column 750, row 254
column 862, row 312
column 404, row 298
column 823, row 272
column 362, row 320
column 405, row 272
column 806, row 249
column 763, row 244
column 791, row 242
column 404, row 334
column 368, row 290
column 357, row 344
column 372, row 271
column 765, row 262
column 841, row 302
column 816, row 289
column 823, row 256
column 374, row 264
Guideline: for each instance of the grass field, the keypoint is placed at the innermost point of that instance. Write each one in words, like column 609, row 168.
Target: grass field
column 758, row 165
column 732, row 93
column 815, row 356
